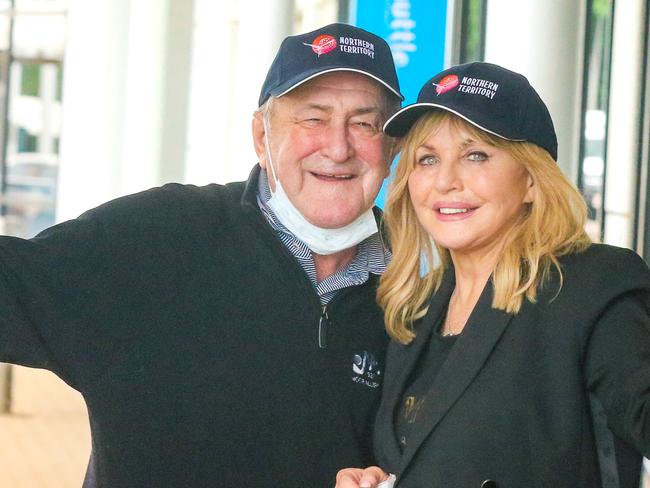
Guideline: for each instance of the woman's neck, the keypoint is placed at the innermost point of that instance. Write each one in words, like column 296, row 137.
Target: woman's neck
column 474, row 267
column 472, row 274
column 470, row 280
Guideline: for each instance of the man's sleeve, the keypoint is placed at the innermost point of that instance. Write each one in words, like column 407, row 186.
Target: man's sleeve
column 43, row 282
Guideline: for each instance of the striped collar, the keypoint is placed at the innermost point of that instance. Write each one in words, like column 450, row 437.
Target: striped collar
column 372, row 256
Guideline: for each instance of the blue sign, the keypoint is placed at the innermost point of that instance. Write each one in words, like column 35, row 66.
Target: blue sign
column 415, row 31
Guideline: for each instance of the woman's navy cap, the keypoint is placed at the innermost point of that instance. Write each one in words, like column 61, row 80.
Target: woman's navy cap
column 492, row 98
column 335, row 47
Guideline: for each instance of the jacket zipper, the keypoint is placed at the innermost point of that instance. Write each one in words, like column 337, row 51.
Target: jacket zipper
column 324, row 324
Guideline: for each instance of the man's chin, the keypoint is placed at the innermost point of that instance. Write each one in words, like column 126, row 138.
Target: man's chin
column 332, row 221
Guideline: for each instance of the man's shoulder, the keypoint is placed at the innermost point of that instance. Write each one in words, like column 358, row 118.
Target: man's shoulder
column 172, row 199
column 175, row 193
column 210, row 197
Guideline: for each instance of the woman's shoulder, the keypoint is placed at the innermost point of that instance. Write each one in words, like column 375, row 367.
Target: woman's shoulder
column 606, row 265
column 604, row 254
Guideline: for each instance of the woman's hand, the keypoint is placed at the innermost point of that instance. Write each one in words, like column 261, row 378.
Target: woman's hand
column 360, row 478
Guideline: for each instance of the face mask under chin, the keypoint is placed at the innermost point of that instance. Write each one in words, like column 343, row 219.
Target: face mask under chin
column 319, row 240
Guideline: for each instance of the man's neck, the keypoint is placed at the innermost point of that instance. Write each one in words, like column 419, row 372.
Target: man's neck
column 327, row 265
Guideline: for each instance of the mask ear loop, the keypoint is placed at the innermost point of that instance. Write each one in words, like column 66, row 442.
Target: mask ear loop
column 268, row 151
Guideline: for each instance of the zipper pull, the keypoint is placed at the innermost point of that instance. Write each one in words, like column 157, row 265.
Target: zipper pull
column 323, row 324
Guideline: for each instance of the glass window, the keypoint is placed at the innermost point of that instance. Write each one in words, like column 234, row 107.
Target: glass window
column 591, row 173
column 343, row 11
column 26, row 142
column 472, row 31
column 59, row 83
column 30, row 81
column 33, row 40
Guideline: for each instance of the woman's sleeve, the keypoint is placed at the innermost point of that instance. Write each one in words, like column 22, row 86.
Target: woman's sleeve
column 617, row 366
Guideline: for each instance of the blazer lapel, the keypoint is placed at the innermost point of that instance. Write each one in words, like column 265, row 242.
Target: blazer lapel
column 400, row 363
column 484, row 328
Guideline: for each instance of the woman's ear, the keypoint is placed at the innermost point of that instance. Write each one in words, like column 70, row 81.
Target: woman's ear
column 530, row 192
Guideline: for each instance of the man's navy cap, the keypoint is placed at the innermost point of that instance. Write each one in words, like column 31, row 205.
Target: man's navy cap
column 492, row 98
column 335, row 47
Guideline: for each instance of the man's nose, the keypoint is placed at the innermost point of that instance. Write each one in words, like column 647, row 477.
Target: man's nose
column 337, row 143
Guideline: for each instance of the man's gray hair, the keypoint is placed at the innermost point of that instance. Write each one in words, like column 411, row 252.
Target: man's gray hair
column 266, row 109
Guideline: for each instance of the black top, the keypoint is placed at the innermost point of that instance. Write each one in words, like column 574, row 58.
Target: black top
column 192, row 334
column 556, row 395
column 433, row 355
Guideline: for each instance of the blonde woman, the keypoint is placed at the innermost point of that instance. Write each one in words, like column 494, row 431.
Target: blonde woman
column 521, row 351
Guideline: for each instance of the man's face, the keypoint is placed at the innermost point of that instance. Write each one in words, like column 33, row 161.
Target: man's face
column 327, row 147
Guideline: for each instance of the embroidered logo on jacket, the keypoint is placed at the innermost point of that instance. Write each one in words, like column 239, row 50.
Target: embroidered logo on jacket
column 365, row 370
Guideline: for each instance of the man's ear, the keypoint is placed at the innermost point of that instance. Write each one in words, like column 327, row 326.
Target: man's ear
column 259, row 139
column 392, row 147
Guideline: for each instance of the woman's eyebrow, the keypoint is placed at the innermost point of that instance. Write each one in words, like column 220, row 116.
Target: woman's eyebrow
column 426, row 147
column 468, row 142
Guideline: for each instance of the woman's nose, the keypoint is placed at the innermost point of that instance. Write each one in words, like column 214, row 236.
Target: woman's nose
column 448, row 176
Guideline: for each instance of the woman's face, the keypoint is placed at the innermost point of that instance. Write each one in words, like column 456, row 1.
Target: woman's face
column 467, row 194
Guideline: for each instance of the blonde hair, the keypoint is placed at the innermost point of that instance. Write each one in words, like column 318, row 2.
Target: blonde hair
column 552, row 226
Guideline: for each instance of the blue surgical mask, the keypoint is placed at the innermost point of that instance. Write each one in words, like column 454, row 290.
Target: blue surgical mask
column 319, row 240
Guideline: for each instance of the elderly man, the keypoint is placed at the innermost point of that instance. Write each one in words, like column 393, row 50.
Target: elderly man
column 228, row 336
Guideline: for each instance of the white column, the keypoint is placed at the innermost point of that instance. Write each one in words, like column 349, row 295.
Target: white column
column 544, row 42
column 143, row 109
column 51, row 109
column 211, row 103
column 94, row 104
column 233, row 49
column 312, row 14
column 125, row 95
column 176, row 93
column 157, row 93
column 624, row 119
column 262, row 26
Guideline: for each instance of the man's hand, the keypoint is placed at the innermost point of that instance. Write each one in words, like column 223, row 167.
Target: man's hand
column 360, row 478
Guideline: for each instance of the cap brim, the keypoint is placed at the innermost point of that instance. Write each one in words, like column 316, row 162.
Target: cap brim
column 402, row 120
column 293, row 84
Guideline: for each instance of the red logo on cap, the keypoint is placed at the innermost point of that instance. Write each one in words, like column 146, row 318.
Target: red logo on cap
column 446, row 84
column 323, row 44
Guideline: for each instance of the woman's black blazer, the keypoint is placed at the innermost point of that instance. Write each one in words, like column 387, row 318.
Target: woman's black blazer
column 556, row 396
